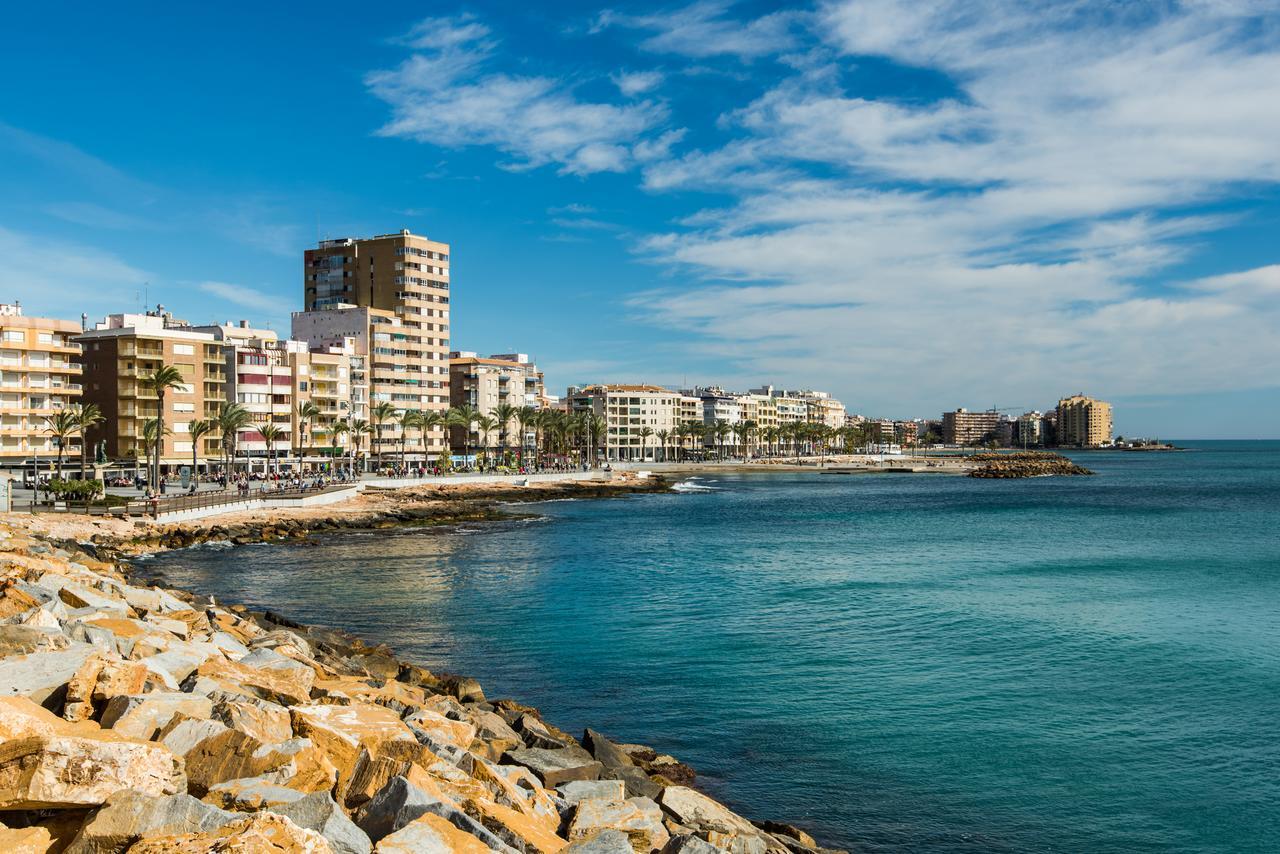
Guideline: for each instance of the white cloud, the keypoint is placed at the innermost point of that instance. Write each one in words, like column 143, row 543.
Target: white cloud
column 441, row 95
column 56, row 278
column 632, row 83
column 248, row 297
column 1009, row 239
column 703, row 30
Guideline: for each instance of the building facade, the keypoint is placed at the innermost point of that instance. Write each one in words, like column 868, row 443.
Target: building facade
column 1084, row 422
column 39, row 376
column 484, row 384
column 118, row 352
column 638, row 417
column 409, row 276
column 962, row 427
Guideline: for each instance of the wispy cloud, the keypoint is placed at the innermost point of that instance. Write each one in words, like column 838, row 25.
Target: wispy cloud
column 248, row 297
column 705, row 29
column 98, row 216
column 442, row 95
column 52, row 275
column 632, row 83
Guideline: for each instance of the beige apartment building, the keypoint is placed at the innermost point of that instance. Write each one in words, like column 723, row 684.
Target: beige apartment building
column 404, row 274
column 1084, row 422
column 122, row 349
column 630, row 409
column 962, row 427
column 38, row 377
column 485, row 383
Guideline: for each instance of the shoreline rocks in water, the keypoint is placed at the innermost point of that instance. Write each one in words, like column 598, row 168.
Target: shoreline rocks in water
column 1024, row 464
column 138, row 719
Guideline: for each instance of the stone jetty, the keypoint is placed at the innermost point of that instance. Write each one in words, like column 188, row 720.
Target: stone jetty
column 144, row 720
column 1023, row 464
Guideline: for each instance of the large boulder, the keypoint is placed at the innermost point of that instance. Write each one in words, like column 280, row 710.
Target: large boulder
column 129, row 815
column 321, row 813
column 613, row 791
column 431, row 834
column 639, row 818
column 603, row 842
column 21, row 640
column 342, row 732
column 554, row 767
column 261, row 833
column 606, row 752
column 401, row 801
column 250, row 794
column 43, row 676
column 142, row 716
column 287, row 686
column 71, row 769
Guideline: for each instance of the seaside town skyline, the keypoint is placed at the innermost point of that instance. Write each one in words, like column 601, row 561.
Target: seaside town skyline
column 677, row 207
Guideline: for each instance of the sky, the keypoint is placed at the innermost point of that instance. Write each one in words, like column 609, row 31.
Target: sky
column 914, row 206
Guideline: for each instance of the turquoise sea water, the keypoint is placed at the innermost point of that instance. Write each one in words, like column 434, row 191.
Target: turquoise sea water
column 898, row 663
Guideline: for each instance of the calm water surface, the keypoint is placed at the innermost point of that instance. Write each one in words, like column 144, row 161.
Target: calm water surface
column 897, row 663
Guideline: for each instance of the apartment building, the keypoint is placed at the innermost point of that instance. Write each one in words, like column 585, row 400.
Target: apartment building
column 404, row 274
column 1084, row 422
column 483, row 383
column 332, row 378
column 962, row 427
column 1029, row 430
column 628, row 410
column 384, row 350
column 38, row 377
column 259, row 378
column 122, row 349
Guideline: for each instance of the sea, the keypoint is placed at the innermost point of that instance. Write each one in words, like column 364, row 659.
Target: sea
column 893, row 662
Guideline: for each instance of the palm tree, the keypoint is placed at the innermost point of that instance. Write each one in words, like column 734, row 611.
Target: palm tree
column 337, row 429
column 645, row 432
column 199, row 428
column 663, row 436
column 381, row 413
column 271, row 434
column 597, row 428
column 232, row 418
column 160, row 381
column 410, row 419
column 526, row 417
column 87, row 416
column 61, row 426
column 308, row 412
column 427, row 422
column 485, row 425
column 153, row 433
column 503, row 413
column 358, row 429
column 463, row 416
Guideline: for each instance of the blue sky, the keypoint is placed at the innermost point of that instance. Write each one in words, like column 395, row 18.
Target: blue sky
column 915, row 206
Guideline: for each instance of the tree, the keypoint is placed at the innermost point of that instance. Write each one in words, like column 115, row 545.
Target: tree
column 380, row 414
column 161, row 380
column 199, row 428
column 598, row 428
column 462, row 416
column 663, row 436
column 86, row 416
column 271, row 434
column 61, row 426
column 410, row 419
column 645, row 432
column 358, row 430
column 526, row 417
column 153, row 433
column 504, row 413
column 427, row 422
column 336, row 431
column 308, row 412
column 485, row 425
column 232, row 418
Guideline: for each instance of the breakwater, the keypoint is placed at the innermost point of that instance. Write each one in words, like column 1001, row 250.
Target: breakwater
column 1023, row 464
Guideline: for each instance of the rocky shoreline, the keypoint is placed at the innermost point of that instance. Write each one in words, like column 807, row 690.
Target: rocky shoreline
column 1024, row 464
column 141, row 719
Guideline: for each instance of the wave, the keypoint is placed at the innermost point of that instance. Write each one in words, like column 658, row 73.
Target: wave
column 686, row 486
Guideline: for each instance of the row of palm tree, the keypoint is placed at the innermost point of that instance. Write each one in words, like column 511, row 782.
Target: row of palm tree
column 75, row 420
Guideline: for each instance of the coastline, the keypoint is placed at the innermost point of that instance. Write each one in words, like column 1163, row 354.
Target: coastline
column 532, row 787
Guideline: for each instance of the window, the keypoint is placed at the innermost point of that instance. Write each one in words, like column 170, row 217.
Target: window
column 182, row 427
column 15, row 335
column 302, row 386
column 179, row 406
column 184, row 350
column 46, row 338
